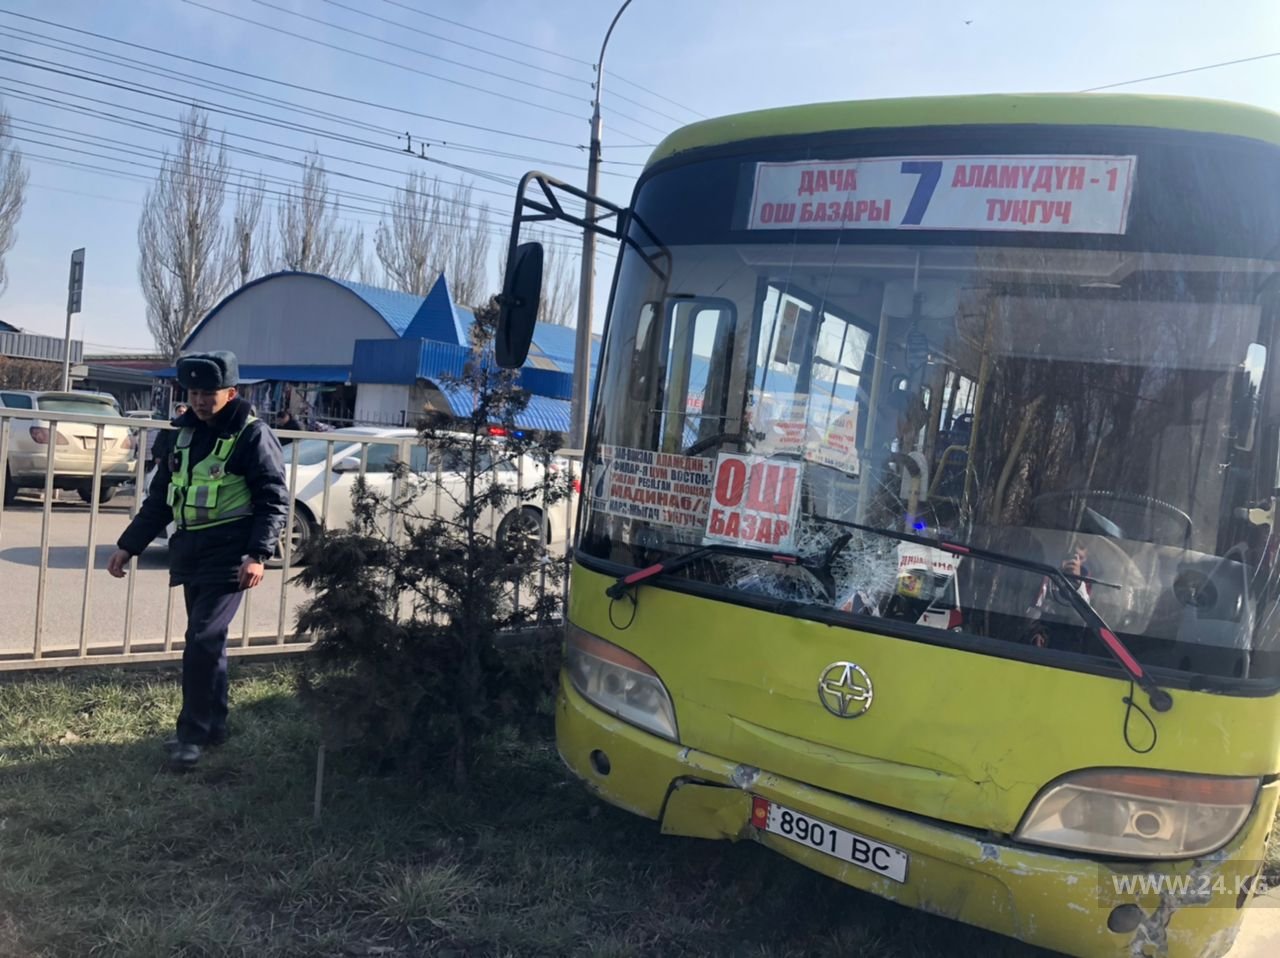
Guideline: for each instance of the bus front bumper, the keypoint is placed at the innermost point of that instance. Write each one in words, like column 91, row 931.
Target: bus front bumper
column 1053, row 901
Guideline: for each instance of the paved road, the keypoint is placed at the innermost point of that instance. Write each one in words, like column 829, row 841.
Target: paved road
column 20, row 529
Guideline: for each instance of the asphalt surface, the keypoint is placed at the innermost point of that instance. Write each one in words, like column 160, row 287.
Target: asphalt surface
column 20, row 535
column 156, row 610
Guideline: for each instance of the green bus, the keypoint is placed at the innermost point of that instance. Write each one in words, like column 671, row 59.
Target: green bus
column 928, row 525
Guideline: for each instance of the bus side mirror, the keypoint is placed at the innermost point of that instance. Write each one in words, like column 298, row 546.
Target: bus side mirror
column 518, row 306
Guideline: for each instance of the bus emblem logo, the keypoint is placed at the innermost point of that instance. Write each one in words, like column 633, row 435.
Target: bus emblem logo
column 845, row 690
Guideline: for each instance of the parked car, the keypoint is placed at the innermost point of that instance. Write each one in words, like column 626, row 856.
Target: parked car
column 152, row 432
column 516, row 519
column 73, row 444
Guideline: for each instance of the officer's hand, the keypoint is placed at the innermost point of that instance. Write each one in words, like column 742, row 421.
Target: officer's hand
column 117, row 563
column 251, row 574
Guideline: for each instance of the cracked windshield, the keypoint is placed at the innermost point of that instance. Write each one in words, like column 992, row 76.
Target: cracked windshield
column 872, row 410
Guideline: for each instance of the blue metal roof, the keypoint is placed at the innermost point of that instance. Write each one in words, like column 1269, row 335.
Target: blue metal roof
column 400, row 310
column 396, row 309
column 405, row 361
column 436, row 317
column 281, row 374
column 551, row 415
column 442, row 327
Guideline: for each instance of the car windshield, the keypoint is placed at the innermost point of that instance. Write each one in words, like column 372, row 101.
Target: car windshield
column 1100, row 406
column 312, row 452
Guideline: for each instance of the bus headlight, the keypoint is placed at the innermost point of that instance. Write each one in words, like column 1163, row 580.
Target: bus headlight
column 1138, row 813
column 615, row 680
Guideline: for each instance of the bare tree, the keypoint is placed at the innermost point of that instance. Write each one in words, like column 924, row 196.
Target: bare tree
column 427, row 232
column 13, row 193
column 407, row 239
column 248, row 246
column 310, row 237
column 468, row 265
column 183, row 265
column 29, row 374
column 371, row 271
column 558, row 293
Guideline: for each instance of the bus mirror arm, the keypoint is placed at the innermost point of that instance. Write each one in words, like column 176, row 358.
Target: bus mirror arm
column 539, row 200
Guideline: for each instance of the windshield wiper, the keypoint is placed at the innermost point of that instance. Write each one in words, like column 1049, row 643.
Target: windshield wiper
column 1160, row 700
column 819, row 568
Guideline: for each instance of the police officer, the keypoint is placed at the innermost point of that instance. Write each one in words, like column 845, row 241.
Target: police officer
column 223, row 485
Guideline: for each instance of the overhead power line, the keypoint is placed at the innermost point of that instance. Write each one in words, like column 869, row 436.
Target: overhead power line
column 153, row 153
column 134, row 86
column 645, row 89
column 525, row 63
column 223, row 109
column 128, row 63
column 1178, row 73
column 466, row 46
column 376, row 59
column 496, row 36
column 279, row 196
column 414, row 50
column 137, row 66
column 294, row 86
column 554, row 53
column 91, row 196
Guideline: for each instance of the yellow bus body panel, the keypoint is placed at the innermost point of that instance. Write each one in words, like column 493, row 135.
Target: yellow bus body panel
column 953, row 749
column 1189, row 114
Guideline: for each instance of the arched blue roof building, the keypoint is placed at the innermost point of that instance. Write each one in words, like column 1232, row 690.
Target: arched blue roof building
column 360, row 353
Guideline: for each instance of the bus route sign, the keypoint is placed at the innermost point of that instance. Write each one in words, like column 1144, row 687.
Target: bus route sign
column 1039, row 194
column 754, row 502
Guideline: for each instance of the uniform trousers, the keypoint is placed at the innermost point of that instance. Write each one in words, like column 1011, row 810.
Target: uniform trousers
column 210, row 609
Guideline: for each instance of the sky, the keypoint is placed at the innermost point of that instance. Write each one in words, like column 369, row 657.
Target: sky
column 93, row 144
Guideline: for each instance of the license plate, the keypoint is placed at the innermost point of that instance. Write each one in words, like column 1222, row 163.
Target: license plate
column 874, row 856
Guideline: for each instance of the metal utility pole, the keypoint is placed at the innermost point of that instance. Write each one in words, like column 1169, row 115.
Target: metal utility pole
column 75, row 287
column 586, row 286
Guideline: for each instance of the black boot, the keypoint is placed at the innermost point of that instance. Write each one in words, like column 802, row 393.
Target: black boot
column 184, row 756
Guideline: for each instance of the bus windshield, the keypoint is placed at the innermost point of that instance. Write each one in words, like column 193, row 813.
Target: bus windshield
column 1097, row 400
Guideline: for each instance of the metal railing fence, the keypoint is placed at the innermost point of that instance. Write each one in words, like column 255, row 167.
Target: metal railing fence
column 111, row 628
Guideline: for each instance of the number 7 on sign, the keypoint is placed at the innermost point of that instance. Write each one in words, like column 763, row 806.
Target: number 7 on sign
column 929, row 172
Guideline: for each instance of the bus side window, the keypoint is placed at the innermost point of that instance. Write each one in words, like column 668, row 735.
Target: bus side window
column 700, row 350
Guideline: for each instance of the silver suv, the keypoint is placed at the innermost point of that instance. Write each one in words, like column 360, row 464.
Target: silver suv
column 73, row 444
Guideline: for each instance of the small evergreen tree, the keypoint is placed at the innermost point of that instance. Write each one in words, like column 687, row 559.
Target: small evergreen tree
column 414, row 613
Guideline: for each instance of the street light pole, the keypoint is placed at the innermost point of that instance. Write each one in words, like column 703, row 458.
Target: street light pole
column 586, row 286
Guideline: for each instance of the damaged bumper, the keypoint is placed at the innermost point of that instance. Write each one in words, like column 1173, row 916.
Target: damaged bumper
column 1071, row 904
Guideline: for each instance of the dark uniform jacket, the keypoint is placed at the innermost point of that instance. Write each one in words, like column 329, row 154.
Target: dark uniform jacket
column 214, row 555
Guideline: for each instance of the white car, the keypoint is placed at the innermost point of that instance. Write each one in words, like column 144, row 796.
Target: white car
column 74, row 444
column 517, row 519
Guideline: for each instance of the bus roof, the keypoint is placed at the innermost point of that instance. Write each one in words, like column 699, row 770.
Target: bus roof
column 1093, row 109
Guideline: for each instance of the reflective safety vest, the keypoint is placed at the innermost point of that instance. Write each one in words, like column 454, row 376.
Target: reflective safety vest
column 206, row 495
